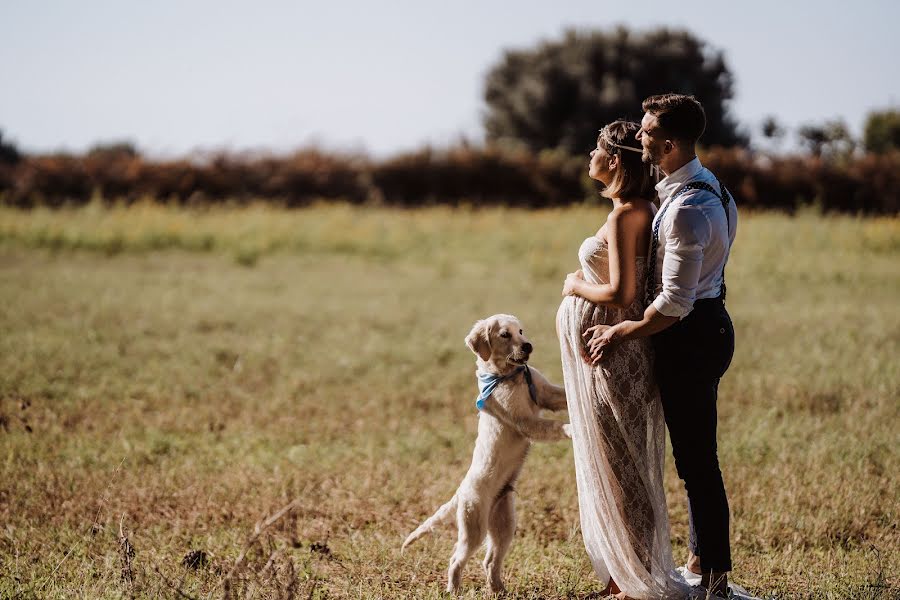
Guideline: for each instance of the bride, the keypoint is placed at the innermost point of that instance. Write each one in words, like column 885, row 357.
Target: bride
column 614, row 409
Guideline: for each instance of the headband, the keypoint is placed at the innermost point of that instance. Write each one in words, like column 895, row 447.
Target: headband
column 612, row 143
column 624, row 147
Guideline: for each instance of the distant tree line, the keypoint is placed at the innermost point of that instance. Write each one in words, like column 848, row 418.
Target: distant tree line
column 544, row 106
column 464, row 175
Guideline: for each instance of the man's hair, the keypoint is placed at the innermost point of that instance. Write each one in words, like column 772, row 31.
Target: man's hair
column 680, row 116
column 632, row 178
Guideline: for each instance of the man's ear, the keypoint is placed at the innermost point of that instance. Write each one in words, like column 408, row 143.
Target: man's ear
column 478, row 340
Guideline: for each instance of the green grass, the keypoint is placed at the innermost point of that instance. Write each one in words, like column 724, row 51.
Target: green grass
column 188, row 373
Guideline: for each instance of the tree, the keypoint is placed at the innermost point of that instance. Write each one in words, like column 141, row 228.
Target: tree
column 832, row 139
column 771, row 128
column 9, row 153
column 813, row 137
column 559, row 94
column 882, row 131
column 772, row 131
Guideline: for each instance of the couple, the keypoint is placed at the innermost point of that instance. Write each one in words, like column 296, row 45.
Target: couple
column 645, row 338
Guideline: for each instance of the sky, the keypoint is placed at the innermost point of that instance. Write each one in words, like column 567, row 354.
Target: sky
column 176, row 77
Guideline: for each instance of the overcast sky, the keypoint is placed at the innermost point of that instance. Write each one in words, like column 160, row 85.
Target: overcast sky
column 383, row 77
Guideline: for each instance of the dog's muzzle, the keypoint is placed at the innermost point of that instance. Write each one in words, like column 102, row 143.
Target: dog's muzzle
column 520, row 358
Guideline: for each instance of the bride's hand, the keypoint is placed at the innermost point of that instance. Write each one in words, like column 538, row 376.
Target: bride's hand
column 602, row 339
column 572, row 281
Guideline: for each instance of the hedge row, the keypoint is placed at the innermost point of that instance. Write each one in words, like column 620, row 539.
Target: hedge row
column 475, row 176
column 868, row 184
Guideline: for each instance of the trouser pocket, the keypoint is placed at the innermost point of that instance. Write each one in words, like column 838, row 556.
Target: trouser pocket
column 700, row 347
column 721, row 347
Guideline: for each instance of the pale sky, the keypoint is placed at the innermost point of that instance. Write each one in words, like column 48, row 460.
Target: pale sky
column 385, row 77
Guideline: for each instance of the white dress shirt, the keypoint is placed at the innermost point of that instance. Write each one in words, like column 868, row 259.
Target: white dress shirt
column 694, row 241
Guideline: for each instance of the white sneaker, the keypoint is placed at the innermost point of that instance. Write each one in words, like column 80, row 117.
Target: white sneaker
column 690, row 578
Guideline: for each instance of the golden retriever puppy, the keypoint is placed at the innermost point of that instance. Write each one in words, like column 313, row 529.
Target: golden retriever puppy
column 512, row 396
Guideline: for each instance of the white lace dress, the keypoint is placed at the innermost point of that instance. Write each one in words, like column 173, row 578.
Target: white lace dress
column 619, row 444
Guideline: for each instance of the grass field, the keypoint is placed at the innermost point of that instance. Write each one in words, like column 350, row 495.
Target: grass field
column 172, row 378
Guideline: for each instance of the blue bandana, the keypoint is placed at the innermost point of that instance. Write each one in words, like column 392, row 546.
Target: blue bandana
column 488, row 382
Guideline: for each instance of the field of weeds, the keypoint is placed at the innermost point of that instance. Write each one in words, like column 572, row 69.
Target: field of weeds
column 255, row 403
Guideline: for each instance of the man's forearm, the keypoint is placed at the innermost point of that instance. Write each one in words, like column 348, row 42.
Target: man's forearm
column 604, row 337
column 653, row 322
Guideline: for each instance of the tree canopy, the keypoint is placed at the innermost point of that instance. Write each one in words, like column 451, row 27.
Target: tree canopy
column 831, row 139
column 9, row 153
column 559, row 94
column 882, row 131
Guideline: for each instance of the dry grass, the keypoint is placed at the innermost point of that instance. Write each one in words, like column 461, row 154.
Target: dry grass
column 171, row 379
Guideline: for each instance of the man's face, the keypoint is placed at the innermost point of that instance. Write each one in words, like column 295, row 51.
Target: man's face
column 652, row 140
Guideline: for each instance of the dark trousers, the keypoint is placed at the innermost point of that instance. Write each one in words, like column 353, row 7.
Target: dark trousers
column 691, row 357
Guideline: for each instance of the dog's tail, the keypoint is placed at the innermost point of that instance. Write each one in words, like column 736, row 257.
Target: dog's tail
column 442, row 515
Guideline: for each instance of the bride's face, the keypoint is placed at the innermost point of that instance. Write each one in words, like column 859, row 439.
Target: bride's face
column 602, row 165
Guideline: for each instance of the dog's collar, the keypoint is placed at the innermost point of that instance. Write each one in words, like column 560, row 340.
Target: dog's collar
column 488, row 382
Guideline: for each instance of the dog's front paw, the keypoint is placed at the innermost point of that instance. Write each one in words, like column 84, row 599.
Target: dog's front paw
column 567, row 429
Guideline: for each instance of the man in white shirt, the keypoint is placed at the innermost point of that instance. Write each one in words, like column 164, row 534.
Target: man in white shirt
column 691, row 331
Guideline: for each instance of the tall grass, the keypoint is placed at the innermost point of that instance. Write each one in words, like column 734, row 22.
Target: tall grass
column 172, row 377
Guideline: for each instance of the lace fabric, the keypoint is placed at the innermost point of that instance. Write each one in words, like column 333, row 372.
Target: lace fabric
column 619, row 443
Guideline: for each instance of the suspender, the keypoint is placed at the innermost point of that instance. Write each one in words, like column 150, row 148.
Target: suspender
column 724, row 198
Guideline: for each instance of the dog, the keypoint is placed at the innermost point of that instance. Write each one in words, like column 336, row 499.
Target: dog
column 509, row 420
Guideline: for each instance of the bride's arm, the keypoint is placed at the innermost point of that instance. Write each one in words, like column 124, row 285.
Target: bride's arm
column 622, row 233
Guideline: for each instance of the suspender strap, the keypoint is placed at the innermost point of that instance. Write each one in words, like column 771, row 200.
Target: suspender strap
column 724, row 198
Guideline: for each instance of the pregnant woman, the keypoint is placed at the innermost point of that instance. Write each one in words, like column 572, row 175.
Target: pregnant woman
column 618, row 430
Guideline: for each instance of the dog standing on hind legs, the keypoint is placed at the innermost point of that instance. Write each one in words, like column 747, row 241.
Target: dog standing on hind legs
column 512, row 396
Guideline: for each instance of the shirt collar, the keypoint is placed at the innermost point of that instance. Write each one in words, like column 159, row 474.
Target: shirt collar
column 671, row 184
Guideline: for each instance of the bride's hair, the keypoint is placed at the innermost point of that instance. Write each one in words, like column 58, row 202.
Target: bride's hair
column 632, row 178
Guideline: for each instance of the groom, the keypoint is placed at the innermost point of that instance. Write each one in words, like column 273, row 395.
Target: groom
column 691, row 331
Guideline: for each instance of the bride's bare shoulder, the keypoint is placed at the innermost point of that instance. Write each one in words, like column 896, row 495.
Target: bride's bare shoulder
column 632, row 215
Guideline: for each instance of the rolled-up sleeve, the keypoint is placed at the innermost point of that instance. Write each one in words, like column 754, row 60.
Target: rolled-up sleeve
column 687, row 231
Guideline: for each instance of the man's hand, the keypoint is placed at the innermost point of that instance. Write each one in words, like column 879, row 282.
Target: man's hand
column 602, row 339
column 572, row 281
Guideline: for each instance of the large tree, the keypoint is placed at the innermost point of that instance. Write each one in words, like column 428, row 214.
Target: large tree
column 882, row 131
column 559, row 94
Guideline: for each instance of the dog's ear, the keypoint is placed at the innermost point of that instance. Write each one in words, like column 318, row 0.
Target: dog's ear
column 478, row 340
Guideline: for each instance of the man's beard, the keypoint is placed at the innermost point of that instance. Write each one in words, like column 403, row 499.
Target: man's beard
column 648, row 157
